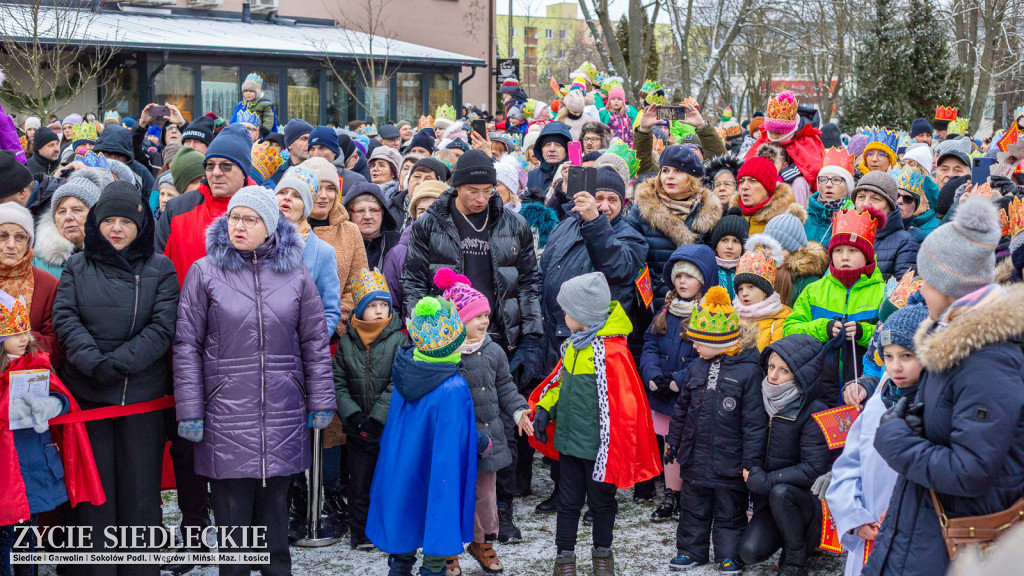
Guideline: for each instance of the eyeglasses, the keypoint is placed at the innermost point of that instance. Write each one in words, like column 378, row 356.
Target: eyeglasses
column 907, row 199
column 479, row 193
column 225, row 167
column 835, row 180
column 367, row 212
column 247, row 221
column 19, row 238
column 592, row 139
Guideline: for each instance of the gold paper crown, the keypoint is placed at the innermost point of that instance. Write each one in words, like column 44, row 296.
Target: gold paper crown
column 757, row 263
column 958, row 126
column 367, row 282
column 906, row 286
column 426, row 122
column 840, row 158
column 1011, row 219
column 445, row 111
column 83, row 132
column 782, row 107
column 860, row 224
column 14, row 320
column 947, row 113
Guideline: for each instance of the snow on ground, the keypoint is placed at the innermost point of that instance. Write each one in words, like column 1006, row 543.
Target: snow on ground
column 641, row 547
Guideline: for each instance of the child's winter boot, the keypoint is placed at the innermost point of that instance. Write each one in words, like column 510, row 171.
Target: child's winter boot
column 486, row 556
column 565, row 564
column 401, row 564
column 604, row 562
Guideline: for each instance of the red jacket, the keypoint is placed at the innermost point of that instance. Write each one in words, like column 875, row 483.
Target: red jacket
column 80, row 475
column 805, row 148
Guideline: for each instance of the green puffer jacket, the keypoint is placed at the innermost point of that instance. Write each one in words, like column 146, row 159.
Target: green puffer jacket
column 362, row 378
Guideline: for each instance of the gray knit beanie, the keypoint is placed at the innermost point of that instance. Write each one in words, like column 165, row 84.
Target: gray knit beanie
column 122, row 171
column 787, row 230
column 960, row 257
column 960, row 144
column 879, row 183
column 260, row 200
column 586, row 299
column 82, row 188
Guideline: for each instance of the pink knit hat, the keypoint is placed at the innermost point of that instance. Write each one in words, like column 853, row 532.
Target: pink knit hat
column 459, row 291
column 617, row 92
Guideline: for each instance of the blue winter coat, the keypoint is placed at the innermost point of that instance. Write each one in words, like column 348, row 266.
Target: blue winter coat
column 321, row 260
column 895, row 248
column 972, row 453
column 41, row 467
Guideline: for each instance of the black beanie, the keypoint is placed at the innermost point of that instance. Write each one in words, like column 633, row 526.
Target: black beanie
column 43, row 137
column 474, row 167
column 434, row 165
column 199, row 129
column 459, row 144
column 947, row 196
column 830, row 136
column 14, row 176
column 760, row 282
column 731, row 225
column 609, row 179
column 121, row 200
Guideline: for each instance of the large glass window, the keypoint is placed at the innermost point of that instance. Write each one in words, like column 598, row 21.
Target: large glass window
column 442, row 91
column 220, row 89
column 410, row 96
column 121, row 91
column 341, row 102
column 303, row 95
column 175, row 84
column 377, row 100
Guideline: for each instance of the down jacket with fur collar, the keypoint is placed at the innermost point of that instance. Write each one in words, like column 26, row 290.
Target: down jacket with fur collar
column 781, row 202
column 972, row 452
column 252, row 356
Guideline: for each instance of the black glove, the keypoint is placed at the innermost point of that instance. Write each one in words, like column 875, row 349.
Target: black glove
column 758, row 481
column 897, row 411
column 915, row 420
column 110, row 370
column 372, row 428
column 671, row 453
column 541, row 418
column 525, row 357
column 662, row 389
column 860, row 332
column 355, row 423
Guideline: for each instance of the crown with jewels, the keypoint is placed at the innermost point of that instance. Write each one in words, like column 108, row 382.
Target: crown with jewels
column 899, row 292
column 886, row 137
column 266, row 159
column 305, row 175
column 690, row 101
column 859, row 224
column 1011, row 217
column 517, row 139
column 783, row 106
column 250, row 118
column 445, row 111
column 865, row 130
column 254, row 79
column 611, row 82
column 588, row 70
column 838, row 157
column 1018, row 112
column 367, row 282
column 649, row 86
column 425, row 122
column 14, row 319
column 904, row 141
column 435, row 328
column 947, row 113
column 93, row 160
column 622, row 150
column 985, row 191
column 758, row 263
column 112, row 116
column 529, row 108
column 368, row 130
column 909, row 179
column 84, row 132
column 958, row 126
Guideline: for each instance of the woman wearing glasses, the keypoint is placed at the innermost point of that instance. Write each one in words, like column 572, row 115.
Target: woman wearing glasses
column 252, row 368
column 365, row 205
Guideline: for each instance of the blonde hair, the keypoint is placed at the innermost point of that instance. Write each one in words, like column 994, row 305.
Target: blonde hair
column 696, row 185
column 5, row 358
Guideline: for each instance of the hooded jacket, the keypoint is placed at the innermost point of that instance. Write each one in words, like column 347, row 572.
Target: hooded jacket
column 780, row 203
column 577, row 247
column 362, row 376
column 377, row 248
column 435, row 244
column 118, row 140
column 343, row 235
column 795, row 449
column 251, row 356
column 972, row 452
column 540, row 178
column 895, row 248
column 805, row 148
column 393, row 264
column 134, row 290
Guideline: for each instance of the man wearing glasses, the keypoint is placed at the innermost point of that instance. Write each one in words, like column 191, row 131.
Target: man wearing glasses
column 181, row 236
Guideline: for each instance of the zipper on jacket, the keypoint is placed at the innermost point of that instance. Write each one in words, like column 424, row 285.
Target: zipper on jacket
column 366, row 374
column 135, row 316
column 764, row 465
column 263, row 426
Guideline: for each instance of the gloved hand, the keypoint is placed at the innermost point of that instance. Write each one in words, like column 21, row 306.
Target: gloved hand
column 758, row 481
column 662, row 388
column 821, row 485
column 110, row 370
column 372, row 428
column 354, row 423
column 20, row 409
column 525, row 357
column 43, row 409
column 319, row 419
column 483, row 443
column 671, row 453
column 897, row 411
column 915, row 420
column 191, row 429
column 541, row 418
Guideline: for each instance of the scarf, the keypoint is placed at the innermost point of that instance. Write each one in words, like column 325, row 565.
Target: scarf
column 471, row 347
column 580, row 340
column 750, row 211
column 850, row 277
column 679, row 208
column 832, row 205
column 776, row 398
column 892, row 394
column 18, row 279
column 766, row 308
column 681, row 308
column 727, row 264
column 369, row 331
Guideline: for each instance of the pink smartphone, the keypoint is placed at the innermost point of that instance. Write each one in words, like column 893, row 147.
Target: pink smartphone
column 575, row 153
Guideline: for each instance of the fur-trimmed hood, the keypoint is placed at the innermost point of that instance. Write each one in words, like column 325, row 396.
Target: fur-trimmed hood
column 651, row 209
column 1005, row 272
column 282, row 251
column 811, row 260
column 748, row 335
column 727, row 161
column 1001, row 320
column 50, row 246
column 781, row 202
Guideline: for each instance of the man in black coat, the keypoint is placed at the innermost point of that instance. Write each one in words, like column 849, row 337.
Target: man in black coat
column 467, row 229
column 116, row 142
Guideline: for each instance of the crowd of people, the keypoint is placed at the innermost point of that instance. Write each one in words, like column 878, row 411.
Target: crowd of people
column 445, row 297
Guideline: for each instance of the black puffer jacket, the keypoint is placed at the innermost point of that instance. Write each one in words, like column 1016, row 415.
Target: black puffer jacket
column 895, row 249
column 719, row 423
column 435, row 244
column 362, row 378
column 795, row 452
column 117, row 308
column 118, row 140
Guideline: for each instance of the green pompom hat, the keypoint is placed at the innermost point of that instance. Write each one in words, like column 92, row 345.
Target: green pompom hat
column 435, row 327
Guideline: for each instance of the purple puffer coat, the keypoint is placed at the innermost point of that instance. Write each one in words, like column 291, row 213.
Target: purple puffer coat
column 251, row 356
column 9, row 134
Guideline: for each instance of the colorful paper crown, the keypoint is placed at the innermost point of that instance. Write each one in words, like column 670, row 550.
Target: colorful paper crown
column 1011, row 217
column 649, row 86
column 93, row 160
column 111, row 115
column 610, row 83
column 853, row 223
column 782, row 107
column 578, row 84
column 884, row 136
column 904, row 141
column 588, row 70
column 622, row 150
column 899, row 292
column 254, row 79
column 517, row 140
column 444, row 111
column 726, row 114
column 425, row 122
column 14, row 318
column 690, row 101
column 307, row 176
column 366, row 283
column 1018, row 112
column 840, row 158
column 266, row 159
column 84, row 132
column 731, row 128
column 248, row 118
column 654, row 94
column 714, row 321
column 985, row 191
column 958, row 126
column 368, row 130
column 530, row 108
column 599, row 78
column 448, row 159
column 757, row 263
column 946, row 113
column 435, row 328
column 865, row 130
column 909, row 179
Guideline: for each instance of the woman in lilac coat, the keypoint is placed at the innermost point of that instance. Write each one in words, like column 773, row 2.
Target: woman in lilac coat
column 252, row 368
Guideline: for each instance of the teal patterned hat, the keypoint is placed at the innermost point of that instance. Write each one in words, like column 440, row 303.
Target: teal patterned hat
column 435, row 327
